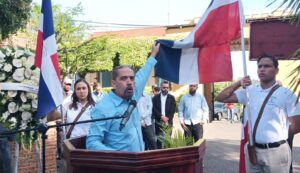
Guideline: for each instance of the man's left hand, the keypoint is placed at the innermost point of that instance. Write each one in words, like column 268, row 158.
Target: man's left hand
column 155, row 49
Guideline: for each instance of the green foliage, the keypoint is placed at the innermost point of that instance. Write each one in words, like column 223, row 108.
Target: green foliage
column 91, row 56
column 134, row 51
column 14, row 15
column 108, row 51
column 218, row 87
column 291, row 6
column 148, row 90
column 69, row 35
column 295, row 82
column 106, row 89
column 178, row 140
column 94, row 55
column 105, row 52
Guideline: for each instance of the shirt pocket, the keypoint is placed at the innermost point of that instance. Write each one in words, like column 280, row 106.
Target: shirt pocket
column 119, row 138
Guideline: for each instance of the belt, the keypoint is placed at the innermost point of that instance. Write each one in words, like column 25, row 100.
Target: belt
column 270, row 145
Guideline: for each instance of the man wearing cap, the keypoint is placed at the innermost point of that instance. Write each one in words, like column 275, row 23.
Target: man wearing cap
column 67, row 92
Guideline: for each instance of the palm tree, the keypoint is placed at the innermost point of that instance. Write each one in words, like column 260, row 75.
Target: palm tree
column 293, row 6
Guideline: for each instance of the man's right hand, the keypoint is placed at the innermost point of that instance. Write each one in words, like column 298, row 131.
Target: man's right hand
column 246, row 81
column 164, row 119
column 184, row 127
column 143, row 124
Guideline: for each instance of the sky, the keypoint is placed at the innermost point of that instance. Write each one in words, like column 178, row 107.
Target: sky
column 157, row 12
column 149, row 12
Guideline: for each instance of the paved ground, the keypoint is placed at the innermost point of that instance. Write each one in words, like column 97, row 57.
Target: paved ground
column 223, row 142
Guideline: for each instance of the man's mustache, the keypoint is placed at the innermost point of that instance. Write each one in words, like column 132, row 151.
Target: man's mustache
column 129, row 88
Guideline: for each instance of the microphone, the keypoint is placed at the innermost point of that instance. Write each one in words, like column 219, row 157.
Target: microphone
column 127, row 113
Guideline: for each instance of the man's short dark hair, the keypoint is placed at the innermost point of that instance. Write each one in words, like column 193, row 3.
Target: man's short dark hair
column 272, row 58
column 164, row 82
column 116, row 69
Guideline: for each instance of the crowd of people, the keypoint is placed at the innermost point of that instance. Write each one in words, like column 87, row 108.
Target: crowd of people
column 272, row 125
column 154, row 110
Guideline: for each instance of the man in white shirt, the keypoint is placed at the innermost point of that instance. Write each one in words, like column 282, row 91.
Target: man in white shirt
column 193, row 113
column 281, row 116
column 144, row 107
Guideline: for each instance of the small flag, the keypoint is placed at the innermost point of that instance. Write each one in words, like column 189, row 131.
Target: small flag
column 50, row 93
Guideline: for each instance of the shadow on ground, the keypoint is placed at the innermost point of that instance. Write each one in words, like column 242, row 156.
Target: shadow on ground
column 222, row 156
column 296, row 159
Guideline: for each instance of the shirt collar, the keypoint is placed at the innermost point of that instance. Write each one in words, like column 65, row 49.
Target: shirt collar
column 79, row 104
column 68, row 93
column 116, row 99
column 268, row 89
column 163, row 96
column 192, row 95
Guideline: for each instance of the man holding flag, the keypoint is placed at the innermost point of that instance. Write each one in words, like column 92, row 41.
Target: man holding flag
column 279, row 116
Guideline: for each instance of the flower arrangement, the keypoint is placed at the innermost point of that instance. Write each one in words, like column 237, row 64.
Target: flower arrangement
column 18, row 105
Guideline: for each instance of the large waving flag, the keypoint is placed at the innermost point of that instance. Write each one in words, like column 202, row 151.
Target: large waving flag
column 204, row 55
column 50, row 91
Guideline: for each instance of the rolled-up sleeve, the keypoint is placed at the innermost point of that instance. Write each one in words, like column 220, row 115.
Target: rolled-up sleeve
column 142, row 76
column 205, row 108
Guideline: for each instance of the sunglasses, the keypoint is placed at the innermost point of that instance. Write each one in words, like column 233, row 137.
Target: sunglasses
column 68, row 84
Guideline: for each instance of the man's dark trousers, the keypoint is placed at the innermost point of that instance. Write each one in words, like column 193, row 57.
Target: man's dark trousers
column 149, row 137
column 290, row 142
column 5, row 156
column 195, row 130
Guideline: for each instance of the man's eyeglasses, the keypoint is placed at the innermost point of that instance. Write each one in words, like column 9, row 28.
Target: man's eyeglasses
column 68, row 84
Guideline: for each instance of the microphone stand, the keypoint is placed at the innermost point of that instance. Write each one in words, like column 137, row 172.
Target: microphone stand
column 43, row 128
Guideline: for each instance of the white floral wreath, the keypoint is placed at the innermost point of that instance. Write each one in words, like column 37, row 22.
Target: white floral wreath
column 18, row 98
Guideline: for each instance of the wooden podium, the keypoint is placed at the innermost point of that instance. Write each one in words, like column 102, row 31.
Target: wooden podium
column 175, row 160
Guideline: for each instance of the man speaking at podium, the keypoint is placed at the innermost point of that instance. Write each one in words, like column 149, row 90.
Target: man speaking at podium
column 107, row 135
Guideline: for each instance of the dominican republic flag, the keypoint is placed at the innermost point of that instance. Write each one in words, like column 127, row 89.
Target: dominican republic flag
column 244, row 141
column 50, row 91
column 204, row 55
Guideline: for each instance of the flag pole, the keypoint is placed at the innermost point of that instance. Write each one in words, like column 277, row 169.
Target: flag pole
column 245, row 71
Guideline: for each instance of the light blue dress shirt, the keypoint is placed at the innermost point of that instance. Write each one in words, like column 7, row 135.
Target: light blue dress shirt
column 97, row 98
column 193, row 109
column 105, row 135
